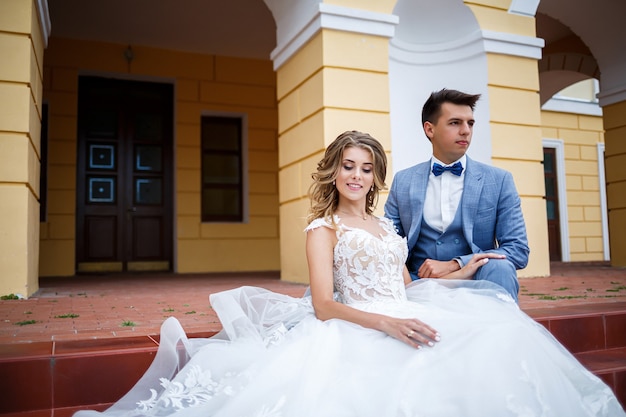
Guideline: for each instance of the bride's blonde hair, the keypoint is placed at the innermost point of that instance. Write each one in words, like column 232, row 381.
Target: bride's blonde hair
column 323, row 193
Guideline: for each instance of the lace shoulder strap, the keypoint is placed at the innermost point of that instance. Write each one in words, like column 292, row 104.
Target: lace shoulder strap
column 387, row 225
column 320, row 222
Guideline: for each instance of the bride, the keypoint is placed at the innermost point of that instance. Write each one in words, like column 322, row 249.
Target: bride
column 366, row 341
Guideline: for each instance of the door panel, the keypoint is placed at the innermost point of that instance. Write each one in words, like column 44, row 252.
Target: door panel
column 102, row 229
column 148, row 234
column 124, row 181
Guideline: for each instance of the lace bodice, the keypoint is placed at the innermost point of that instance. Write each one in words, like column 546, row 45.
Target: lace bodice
column 367, row 268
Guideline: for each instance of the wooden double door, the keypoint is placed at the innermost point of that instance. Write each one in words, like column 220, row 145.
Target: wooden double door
column 124, row 208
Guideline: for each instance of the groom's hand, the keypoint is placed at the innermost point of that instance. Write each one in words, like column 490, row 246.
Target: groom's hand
column 477, row 261
column 437, row 269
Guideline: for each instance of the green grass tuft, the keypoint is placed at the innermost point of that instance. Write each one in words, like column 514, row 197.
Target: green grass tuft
column 547, row 297
column 25, row 322
column 67, row 316
column 9, row 297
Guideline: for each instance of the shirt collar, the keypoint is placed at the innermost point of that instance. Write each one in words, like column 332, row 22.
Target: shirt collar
column 462, row 160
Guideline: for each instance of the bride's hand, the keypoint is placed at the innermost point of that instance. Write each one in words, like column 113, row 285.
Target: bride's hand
column 478, row 260
column 411, row 331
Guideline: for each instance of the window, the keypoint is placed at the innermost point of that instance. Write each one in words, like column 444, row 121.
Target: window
column 222, row 169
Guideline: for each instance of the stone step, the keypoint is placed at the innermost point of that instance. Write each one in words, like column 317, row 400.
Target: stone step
column 48, row 379
column 610, row 366
column 585, row 327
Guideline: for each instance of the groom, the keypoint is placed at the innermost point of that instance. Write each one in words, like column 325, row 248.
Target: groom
column 452, row 207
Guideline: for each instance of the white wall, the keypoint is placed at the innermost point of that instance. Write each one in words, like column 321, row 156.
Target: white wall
column 436, row 45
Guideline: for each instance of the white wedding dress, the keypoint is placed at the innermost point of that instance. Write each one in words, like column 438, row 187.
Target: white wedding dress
column 275, row 358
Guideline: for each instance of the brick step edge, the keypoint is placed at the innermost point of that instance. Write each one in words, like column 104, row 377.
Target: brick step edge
column 604, row 361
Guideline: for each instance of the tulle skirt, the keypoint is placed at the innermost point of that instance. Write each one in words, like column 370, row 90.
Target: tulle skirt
column 275, row 358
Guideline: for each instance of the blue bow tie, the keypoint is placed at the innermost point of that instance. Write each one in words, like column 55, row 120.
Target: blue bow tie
column 456, row 169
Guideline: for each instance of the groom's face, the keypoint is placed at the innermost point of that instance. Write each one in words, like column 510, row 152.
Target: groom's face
column 451, row 134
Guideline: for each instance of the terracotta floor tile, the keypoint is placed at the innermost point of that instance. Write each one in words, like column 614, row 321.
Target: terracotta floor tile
column 37, row 413
column 104, row 302
column 75, row 382
column 579, row 334
column 25, row 385
column 69, row 411
column 83, row 335
column 619, row 386
column 9, row 352
column 93, row 346
column 576, row 310
column 615, row 330
column 609, row 360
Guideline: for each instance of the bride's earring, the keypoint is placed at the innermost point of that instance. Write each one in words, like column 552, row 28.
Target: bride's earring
column 333, row 182
column 372, row 189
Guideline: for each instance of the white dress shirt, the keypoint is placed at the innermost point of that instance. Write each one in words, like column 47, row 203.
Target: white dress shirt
column 443, row 195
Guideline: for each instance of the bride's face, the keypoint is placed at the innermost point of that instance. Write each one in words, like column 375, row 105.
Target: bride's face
column 356, row 174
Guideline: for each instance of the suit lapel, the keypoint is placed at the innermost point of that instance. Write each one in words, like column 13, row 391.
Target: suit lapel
column 472, row 187
column 417, row 195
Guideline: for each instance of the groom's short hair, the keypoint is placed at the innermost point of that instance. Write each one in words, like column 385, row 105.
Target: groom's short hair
column 432, row 108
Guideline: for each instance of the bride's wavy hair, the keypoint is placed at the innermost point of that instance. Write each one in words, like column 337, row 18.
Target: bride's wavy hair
column 323, row 193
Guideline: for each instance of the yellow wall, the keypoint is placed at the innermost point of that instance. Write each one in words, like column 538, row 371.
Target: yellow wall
column 202, row 84
column 379, row 6
column 336, row 82
column 615, row 155
column 580, row 135
column 513, row 85
column 518, row 127
column 21, row 49
column 493, row 15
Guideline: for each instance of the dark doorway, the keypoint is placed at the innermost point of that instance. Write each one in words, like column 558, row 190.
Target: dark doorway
column 124, row 175
column 552, row 203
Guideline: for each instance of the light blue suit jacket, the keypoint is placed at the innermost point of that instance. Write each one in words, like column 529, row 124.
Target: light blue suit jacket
column 491, row 212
